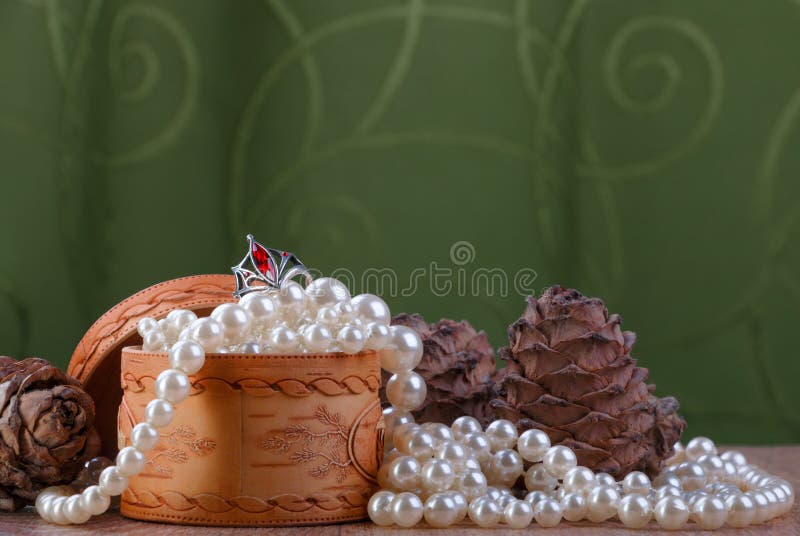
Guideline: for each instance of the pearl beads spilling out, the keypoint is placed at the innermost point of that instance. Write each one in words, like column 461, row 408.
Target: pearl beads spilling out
column 558, row 489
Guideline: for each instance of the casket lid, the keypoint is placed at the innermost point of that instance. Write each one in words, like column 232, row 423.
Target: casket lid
column 96, row 360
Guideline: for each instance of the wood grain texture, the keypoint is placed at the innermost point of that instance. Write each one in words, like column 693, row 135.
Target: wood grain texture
column 783, row 461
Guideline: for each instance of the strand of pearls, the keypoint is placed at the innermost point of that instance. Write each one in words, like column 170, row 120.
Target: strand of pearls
column 322, row 318
column 445, row 474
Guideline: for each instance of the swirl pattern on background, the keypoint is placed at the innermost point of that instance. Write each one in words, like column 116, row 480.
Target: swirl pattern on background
column 639, row 153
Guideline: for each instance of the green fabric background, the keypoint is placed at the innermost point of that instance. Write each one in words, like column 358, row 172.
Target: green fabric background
column 643, row 152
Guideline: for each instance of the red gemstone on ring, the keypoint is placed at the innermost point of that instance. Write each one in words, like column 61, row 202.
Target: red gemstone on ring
column 261, row 258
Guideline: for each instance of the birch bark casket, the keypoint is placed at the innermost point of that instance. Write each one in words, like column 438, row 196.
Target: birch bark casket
column 261, row 440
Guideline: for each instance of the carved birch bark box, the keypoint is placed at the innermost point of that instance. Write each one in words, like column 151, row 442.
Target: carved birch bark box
column 261, row 439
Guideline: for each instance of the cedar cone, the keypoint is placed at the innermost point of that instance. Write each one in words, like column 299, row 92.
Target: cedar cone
column 570, row 373
column 457, row 365
column 46, row 429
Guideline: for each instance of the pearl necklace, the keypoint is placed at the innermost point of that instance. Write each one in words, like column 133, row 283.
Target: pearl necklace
column 435, row 472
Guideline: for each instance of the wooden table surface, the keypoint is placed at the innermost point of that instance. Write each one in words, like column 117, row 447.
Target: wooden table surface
column 782, row 461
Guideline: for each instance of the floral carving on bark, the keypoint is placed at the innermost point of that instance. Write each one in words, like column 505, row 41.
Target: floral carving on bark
column 182, row 442
column 327, row 448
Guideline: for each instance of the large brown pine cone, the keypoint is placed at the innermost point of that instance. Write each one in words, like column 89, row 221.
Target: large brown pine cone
column 569, row 372
column 46, row 429
column 458, row 366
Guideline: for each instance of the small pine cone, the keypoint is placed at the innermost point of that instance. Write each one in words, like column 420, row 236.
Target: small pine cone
column 570, row 373
column 458, row 367
column 46, row 429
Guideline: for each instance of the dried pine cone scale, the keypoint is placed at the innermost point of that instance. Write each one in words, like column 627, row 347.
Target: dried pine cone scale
column 569, row 372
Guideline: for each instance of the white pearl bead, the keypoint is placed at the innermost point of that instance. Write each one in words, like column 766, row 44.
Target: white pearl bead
column 710, row 512
column 558, row 460
column 671, row 513
column 249, row 348
column 440, row 432
column 378, row 336
column 479, row 444
column 130, row 461
column 735, row 457
column 94, row 501
column 158, row 413
column 579, row 479
column 419, row 444
column 112, row 481
column 713, row 465
column 440, row 510
column 493, row 493
column 372, row 309
column 604, row 479
column 404, row 429
column 327, row 291
column 403, row 352
column 437, row 475
column 317, row 338
column 465, row 425
column 406, row 390
column 472, row 484
column 699, row 446
column 636, row 482
column 379, row 508
column 507, row 465
column 678, row 455
column 548, row 512
column 535, row 496
column 772, row 509
column 74, row 511
column 693, row 496
column 187, row 356
column 404, row 473
column 261, row 307
column 573, row 505
column 762, row 505
column 691, row 475
column 602, row 502
column 502, row 434
column 327, row 316
column 485, row 512
column 56, row 511
column 144, row 437
column 538, row 478
column 154, row 340
column 461, row 504
column 207, row 332
column 283, row 340
column 452, row 451
column 180, row 318
column 471, row 464
column 392, row 418
column 505, row 500
column 407, row 509
column 173, row 386
column 741, row 510
column 351, row 339
column 533, row 444
column 634, row 511
column 667, row 491
column 44, row 506
column 146, row 324
column 518, row 514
